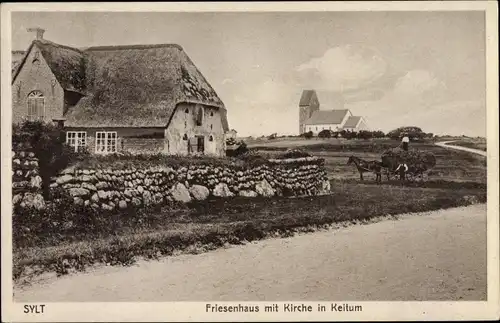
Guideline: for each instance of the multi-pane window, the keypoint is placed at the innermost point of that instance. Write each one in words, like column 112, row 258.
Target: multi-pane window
column 36, row 106
column 105, row 142
column 76, row 139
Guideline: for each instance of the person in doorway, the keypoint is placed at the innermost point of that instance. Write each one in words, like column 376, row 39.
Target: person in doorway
column 405, row 141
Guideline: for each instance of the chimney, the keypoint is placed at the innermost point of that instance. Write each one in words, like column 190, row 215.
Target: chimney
column 39, row 32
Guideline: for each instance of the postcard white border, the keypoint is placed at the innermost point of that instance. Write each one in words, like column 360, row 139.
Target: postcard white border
column 195, row 311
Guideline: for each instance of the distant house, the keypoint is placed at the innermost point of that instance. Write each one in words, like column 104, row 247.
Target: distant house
column 311, row 118
column 141, row 98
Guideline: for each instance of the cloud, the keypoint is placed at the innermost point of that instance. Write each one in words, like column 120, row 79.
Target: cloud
column 419, row 82
column 419, row 98
column 228, row 81
column 347, row 67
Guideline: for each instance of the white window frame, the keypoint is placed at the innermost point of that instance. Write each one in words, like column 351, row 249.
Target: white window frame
column 76, row 139
column 101, row 142
column 33, row 96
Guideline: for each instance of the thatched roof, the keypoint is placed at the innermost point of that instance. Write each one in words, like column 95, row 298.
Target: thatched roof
column 67, row 64
column 129, row 86
column 17, row 57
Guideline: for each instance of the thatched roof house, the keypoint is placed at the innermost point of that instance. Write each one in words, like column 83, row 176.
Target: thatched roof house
column 141, row 86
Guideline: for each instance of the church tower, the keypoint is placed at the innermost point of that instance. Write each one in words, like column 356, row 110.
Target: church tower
column 307, row 105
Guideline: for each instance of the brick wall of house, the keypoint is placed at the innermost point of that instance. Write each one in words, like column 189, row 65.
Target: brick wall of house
column 36, row 77
column 142, row 145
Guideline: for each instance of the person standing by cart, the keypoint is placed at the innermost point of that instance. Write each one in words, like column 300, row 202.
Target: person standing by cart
column 405, row 141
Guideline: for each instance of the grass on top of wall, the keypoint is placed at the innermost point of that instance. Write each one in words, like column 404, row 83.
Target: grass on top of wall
column 127, row 161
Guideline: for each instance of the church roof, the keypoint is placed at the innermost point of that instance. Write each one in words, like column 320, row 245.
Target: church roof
column 326, row 117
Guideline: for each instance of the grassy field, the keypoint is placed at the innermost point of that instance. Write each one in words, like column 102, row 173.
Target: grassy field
column 458, row 179
column 451, row 165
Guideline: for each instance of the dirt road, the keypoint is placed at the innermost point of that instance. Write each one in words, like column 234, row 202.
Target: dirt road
column 435, row 256
column 445, row 144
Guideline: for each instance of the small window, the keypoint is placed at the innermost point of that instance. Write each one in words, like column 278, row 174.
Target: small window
column 211, row 138
column 211, row 126
column 187, row 110
column 199, row 116
column 105, row 142
column 76, row 139
column 185, row 137
column 36, row 106
column 211, row 113
column 36, row 58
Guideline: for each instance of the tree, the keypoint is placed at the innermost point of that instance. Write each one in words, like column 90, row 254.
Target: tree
column 414, row 133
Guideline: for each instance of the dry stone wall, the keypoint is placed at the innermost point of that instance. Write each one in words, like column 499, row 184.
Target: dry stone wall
column 110, row 189
column 26, row 180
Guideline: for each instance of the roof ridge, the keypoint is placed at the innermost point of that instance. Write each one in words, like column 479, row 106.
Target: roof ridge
column 126, row 47
column 48, row 42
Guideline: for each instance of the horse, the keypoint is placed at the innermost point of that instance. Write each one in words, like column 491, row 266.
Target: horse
column 367, row 166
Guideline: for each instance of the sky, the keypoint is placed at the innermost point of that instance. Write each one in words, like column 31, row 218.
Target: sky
column 424, row 69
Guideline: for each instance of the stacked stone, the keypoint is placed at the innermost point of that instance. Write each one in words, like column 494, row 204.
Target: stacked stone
column 108, row 189
column 26, row 180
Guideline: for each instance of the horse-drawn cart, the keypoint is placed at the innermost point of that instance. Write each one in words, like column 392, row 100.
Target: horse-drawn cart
column 418, row 163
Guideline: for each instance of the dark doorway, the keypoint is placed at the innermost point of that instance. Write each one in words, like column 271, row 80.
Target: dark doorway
column 200, row 143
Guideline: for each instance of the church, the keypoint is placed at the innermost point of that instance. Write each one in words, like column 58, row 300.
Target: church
column 311, row 118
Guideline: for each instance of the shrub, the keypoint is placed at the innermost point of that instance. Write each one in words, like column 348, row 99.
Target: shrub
column 294, row 153
column 363, row 134
column 325, row 133
column 307, row 135
column 48, row 143
column 347, row 134
column 241, row 148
